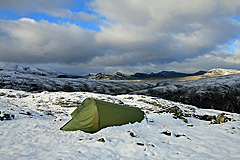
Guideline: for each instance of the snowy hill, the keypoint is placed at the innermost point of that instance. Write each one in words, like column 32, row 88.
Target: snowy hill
column 34, row 132
column 221, row 72
column 102, row 75
column 220, row 93
column 19, row 69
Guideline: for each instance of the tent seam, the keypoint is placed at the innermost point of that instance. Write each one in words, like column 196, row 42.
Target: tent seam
column 98, row 114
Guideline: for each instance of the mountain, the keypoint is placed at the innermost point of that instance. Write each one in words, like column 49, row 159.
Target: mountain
column 27, row 70
column 211, row 73
column 221, row 72
column 19, row 69
column 102, row 75
column 139, row 76
column 165, row 75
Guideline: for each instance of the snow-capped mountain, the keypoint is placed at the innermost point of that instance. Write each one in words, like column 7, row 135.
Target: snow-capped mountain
column 20, row 69
column 102, row 75
column 221, row 72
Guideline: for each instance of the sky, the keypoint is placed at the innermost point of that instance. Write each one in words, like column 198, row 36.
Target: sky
column 90, row 36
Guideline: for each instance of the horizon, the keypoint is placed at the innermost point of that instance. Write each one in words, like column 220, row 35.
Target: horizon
column 82, row 37
column 33, row 67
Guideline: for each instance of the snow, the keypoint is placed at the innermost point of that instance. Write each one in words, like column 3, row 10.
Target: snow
column 29, row 71
column 37, row 135
column 221, row 72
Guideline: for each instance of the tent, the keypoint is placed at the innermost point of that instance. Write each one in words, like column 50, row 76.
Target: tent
column 93, row 115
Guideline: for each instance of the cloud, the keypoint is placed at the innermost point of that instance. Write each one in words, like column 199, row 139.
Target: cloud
column 84, row 17
column 26, row 40
column 135, row 35
column 183, row 29
column 54, row 7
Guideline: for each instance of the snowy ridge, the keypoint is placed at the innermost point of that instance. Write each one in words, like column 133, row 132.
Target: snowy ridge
column 38, row 116
column 221, row 92
column 102, row 75
column 19, row 69
column 221, row 72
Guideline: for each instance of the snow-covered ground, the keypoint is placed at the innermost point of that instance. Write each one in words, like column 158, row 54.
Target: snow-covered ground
column 34, row 132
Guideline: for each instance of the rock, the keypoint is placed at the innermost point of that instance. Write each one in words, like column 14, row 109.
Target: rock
column 182, row 135
column 2, row 94
column 6, row 116
column 167, row 132
column 132, row 134
column 222, row 119
column 101, row 140
column 140, row 144
column 205, row 117
column 177, row 112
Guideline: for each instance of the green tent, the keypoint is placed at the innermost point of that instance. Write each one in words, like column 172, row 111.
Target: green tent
column 93, row 115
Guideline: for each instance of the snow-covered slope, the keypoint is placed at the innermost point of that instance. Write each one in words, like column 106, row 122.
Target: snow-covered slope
column 222, row 92
column 34, row 132
column 19, row 69
column 221, row 72
column 102, row 75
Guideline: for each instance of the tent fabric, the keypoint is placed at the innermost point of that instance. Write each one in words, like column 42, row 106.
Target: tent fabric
column 93, row 115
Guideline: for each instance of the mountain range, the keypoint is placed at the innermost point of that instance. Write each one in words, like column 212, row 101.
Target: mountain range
column 216, row 91
column 143, row 76
column 20, row 69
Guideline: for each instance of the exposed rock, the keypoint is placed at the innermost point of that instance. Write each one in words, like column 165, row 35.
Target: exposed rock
column 167, row 132
column 177, row 112
column 140, row 144
column 222, row 119
column 6, row 116
column 132, row 134
column 205, row 117
column 101, row 140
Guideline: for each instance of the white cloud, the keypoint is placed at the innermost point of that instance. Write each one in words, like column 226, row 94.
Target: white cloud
column 56, row 12
column 24, row 41
column 84, row 17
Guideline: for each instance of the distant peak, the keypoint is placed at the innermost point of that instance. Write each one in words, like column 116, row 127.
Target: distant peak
column 221, row 72
column 21, row 69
